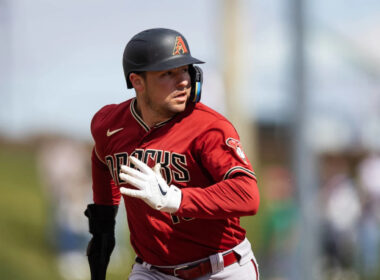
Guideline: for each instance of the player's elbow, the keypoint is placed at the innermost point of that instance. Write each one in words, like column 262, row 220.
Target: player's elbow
column 252, row 196
column 254, row 204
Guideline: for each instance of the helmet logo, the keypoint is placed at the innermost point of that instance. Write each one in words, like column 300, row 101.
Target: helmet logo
column 179, row 46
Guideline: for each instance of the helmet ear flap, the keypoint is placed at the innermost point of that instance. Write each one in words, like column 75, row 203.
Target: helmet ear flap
column 129, row 84
column 196, row 76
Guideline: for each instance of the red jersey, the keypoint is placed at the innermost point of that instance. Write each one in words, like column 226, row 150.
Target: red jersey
column 200, row 153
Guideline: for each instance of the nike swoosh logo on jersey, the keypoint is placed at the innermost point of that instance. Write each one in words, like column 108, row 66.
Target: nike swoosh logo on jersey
column 110, row 133
column 161, row 190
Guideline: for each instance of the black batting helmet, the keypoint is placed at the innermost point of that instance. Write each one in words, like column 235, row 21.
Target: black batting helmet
column 156, row 49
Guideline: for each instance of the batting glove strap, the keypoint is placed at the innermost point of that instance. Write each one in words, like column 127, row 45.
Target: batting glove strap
column 173, row 200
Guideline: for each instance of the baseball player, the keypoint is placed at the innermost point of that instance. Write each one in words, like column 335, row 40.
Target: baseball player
column 179, row 167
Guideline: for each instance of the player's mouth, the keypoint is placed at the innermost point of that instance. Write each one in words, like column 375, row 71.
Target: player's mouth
column 180, row 96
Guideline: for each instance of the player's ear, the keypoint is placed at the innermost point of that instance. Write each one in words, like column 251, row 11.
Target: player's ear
column 137, row 81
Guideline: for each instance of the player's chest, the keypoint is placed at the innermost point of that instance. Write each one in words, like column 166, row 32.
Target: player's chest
column 173, row 150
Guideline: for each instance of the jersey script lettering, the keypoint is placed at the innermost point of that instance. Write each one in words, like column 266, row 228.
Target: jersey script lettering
column 173, row 165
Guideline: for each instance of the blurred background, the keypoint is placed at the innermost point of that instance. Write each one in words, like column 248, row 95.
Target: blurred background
column 300, row 80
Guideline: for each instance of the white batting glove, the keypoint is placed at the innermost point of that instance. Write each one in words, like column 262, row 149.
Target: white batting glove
column 151, row 187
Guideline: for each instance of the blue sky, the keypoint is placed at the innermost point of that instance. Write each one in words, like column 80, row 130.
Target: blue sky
column 65, row 57
column 62, row 59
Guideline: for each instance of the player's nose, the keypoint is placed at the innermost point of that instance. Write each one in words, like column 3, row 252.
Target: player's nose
column 183, row 81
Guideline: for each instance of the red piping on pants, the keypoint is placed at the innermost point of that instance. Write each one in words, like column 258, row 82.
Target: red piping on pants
column 257, row 273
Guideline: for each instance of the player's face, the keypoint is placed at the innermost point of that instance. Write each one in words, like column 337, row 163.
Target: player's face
column 166, row 92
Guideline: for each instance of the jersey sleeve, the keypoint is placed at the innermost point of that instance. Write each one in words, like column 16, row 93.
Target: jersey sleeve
column 220, row 152
column 234, row 192
column 234, row 197
column 105, row 191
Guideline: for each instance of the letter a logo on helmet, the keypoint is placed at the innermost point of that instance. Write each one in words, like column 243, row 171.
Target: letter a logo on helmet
column 156, row 49
column 179, row 46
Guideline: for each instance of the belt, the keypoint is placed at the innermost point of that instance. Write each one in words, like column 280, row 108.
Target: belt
column 192, row 271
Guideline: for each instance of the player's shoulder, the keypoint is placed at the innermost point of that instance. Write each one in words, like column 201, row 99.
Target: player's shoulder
column 208, row 121
column 108, row 115
column 203, row 110
column 208, row 115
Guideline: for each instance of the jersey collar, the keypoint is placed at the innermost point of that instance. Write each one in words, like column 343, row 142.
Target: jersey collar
column 140, row 120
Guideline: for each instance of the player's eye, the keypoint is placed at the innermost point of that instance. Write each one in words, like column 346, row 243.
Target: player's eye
column 167, row 73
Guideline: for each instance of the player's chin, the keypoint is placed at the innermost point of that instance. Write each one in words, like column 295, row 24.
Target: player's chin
column 178, row 107
column 179, row 103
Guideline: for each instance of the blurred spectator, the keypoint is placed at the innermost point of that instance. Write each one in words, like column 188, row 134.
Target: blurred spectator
column 280, row 224
column 341, row 212
column 63, row 166
column 369, row 227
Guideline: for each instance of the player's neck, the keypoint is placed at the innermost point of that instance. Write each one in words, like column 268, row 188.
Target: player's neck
column 150, row 117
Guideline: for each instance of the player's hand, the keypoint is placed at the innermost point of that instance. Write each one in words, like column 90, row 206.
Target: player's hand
column 151, row 187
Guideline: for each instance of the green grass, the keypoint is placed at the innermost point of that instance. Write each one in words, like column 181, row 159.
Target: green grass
column 26, row 250
column 24, row 253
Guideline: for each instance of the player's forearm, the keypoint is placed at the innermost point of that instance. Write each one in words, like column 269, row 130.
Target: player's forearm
column 105, row 191
column 234, row 197
column 102, row 227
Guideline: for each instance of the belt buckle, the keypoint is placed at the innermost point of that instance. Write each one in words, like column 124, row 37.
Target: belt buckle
column 179, row 268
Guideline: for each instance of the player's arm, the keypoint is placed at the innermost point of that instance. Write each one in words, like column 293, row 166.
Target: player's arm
column 234, row 197
column 234, row 192
column 101, row 215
